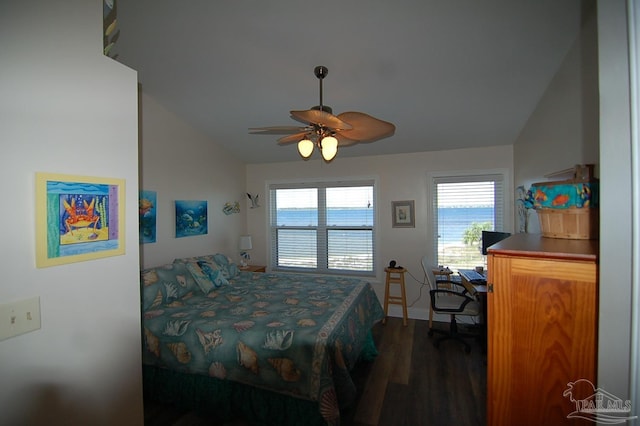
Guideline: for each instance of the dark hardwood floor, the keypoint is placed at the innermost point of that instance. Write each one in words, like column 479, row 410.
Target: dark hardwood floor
column 410, row 383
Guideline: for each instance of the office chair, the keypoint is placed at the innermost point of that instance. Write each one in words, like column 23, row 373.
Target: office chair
column 455, row 300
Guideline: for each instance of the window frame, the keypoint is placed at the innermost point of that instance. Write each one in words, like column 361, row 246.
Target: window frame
column 434, row 178
column 322, row 230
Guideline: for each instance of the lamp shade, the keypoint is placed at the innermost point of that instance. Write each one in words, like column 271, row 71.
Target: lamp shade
column 305, row 148
column 329, row 147
column 245, row 242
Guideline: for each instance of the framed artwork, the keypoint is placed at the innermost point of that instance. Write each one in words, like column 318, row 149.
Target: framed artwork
column 147, row 203
column 191, row 218
column 78, row 218
column 403, row 214
column 110, row 33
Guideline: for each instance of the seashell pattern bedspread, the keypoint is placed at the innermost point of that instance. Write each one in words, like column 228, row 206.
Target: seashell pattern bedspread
column 293, row 334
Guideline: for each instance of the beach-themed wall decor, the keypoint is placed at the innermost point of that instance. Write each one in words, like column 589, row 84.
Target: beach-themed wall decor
column 403, row 214
column 254, row 200
column 230, row 208
column 110, row 33
column 147, row 216
column 191, row 218
column 78, row 218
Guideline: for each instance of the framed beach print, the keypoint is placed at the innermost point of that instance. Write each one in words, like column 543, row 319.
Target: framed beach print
column 403, row 214
column 78, row 218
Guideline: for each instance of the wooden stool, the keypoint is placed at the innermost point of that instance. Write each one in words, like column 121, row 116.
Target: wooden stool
column 395, row 276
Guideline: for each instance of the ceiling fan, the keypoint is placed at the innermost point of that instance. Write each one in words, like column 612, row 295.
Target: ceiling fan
column 327, row 131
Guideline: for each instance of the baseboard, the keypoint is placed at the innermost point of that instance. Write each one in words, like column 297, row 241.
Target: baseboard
column 423, row 314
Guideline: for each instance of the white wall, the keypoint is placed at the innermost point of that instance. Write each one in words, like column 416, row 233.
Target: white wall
column 634, row 60
column 616, row 261
column 66, row 108
column 399, row 177
column 563, row 129
column 179, row 163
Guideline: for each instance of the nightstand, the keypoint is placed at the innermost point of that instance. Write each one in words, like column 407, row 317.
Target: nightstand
column 253, row 268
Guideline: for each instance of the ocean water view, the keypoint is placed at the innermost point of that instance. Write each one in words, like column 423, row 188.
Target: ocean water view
column 347, row 249
column 336, row 217
column 454, row 220
column 353, row 247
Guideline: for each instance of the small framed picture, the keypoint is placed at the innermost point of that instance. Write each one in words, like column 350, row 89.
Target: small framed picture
column 403, row 214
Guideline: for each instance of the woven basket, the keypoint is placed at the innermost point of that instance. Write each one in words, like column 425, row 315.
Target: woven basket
column 572, row 223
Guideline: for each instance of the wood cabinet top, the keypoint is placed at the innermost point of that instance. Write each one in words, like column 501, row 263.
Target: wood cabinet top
column 535, row 245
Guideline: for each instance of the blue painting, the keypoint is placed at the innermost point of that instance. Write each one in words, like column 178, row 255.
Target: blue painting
column 191, row 218
column 147, row 216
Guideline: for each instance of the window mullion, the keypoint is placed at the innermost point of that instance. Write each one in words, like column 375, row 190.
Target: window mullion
column 323, row 261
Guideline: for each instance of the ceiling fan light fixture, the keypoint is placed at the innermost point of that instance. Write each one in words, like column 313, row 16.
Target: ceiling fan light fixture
column 329, row 148
column 305, row 148
column 323, row 129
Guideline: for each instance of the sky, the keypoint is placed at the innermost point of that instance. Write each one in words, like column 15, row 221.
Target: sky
column 361, row 197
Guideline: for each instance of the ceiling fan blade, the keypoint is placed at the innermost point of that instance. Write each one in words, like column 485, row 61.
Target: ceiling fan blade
column 277, row 130
column 343, row 141
column 365, row 128
column 321, row 118
column 292, row 138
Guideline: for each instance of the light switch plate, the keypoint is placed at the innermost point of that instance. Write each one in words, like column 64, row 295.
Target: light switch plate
column 19, row 317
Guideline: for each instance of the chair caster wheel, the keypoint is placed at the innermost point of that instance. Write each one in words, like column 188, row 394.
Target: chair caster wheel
column 430, row 333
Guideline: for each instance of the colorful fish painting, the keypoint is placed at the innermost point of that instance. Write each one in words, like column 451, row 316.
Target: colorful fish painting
column 540, row 197
column 560, row 200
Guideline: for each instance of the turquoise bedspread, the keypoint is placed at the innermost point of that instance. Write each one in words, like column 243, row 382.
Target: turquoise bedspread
column 297, row 335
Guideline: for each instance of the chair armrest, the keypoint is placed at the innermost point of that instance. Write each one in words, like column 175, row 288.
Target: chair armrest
column 463, row 298
column 457, row 286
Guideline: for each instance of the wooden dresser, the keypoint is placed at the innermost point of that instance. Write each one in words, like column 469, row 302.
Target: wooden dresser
column 542, row 327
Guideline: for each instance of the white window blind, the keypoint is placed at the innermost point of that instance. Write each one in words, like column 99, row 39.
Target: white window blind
column 463, row 206
column 323, row 227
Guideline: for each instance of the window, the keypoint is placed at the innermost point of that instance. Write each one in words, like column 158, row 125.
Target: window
column 464, row 206
column 323, row 227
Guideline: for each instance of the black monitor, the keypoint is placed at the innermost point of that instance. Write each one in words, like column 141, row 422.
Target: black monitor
column 489, row 238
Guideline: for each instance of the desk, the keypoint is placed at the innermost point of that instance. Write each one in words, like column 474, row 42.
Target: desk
column 474, row 278
column 442, row 273
column 477, row 288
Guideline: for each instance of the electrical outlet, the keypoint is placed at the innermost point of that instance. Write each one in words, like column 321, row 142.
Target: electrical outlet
column 19, row 317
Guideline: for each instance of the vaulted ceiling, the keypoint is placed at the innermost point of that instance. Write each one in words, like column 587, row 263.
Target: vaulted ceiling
column 449, row 74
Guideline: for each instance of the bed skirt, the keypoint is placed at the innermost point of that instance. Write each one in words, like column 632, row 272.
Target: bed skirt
column 227, row 400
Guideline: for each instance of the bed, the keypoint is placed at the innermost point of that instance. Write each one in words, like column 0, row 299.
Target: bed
column 276, row 347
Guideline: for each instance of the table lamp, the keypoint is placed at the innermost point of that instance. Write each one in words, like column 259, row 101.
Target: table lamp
column 245, row 245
